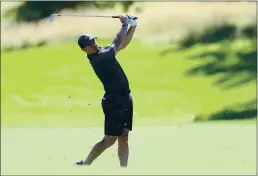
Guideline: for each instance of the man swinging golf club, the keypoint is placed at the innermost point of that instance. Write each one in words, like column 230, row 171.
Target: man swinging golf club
column 117, row 102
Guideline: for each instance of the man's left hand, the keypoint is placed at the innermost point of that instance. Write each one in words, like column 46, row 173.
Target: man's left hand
column 131, row 20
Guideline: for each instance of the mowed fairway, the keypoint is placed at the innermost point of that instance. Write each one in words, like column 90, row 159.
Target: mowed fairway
column 56, row 86
column 179, row 149
column 50, row 101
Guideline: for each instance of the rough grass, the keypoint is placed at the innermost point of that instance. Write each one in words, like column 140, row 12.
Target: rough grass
column 158, row 22
column 42, row 84
column 198, row 149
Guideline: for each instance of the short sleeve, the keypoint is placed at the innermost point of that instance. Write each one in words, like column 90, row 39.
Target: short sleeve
column 108, row 51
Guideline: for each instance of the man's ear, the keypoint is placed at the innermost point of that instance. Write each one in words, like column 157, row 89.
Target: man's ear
column 94, row 44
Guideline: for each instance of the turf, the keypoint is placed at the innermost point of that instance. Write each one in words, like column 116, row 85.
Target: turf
column 196, row 149
column 55, row 85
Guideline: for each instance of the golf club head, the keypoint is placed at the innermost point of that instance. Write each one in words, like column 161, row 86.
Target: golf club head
column 51, row 18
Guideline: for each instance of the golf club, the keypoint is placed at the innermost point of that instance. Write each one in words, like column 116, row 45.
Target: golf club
column 81, row 15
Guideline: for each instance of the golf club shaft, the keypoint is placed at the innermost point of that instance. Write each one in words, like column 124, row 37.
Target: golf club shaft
column 80, row 15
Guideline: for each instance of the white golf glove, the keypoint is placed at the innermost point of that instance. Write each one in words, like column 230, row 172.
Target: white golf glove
column 131, row 20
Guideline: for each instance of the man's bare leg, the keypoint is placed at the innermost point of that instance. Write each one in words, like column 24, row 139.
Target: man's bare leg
column 123, row 148
column 99, row 148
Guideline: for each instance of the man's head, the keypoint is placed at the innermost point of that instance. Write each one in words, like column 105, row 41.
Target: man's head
column 87, row 43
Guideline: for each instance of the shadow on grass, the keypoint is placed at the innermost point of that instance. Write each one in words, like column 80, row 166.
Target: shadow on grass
column 217, row 33
column 243, row 111
column 232, row 68
column 245, row 63
column 214, row 34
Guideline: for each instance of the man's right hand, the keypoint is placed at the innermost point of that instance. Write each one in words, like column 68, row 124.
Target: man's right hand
column 124, row 19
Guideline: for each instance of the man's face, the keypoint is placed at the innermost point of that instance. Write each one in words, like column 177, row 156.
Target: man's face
column 91, row 47
column 94, row 43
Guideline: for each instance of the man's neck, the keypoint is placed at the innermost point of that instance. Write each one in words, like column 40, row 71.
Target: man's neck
column 93, row 51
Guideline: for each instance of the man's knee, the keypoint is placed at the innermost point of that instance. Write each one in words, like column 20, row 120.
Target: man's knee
column 109, row 140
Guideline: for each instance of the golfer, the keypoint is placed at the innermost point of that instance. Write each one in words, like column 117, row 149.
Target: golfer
column 117, row 102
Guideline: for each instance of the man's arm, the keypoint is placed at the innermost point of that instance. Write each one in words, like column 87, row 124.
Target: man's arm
column 127, row 39
column 116, row 44
column 129, row 35
column 121, row 34
column 124, row 37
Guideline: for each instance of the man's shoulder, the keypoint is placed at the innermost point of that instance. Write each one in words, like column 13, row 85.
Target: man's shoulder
column 102, row 51
column 107, row 51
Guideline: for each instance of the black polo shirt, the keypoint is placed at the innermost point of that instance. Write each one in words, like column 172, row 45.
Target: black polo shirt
column 109, row 71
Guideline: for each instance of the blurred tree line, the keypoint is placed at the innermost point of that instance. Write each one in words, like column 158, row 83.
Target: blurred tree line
column 33, row 11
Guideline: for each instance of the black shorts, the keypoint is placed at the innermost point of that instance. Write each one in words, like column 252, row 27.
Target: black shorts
column 118, row 112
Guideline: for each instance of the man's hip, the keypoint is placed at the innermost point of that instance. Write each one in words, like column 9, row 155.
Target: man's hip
column 118, row 110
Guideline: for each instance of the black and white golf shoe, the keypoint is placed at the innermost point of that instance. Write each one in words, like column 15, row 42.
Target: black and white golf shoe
column 79, row 163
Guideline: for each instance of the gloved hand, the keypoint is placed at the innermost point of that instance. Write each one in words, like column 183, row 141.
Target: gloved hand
column 132, row 21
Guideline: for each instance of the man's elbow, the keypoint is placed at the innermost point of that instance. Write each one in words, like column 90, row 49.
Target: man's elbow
column 121, row 48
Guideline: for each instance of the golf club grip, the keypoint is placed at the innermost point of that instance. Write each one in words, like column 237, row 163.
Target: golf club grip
column 135, row 18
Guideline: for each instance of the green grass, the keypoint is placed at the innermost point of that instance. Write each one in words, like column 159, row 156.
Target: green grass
column 196, row 149
column 37, row 83
column 54, row 86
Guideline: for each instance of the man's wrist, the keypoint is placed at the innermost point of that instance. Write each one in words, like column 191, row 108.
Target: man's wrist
column 125, row 24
